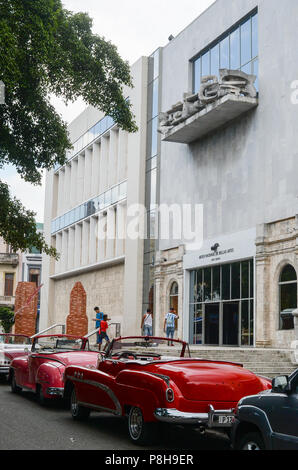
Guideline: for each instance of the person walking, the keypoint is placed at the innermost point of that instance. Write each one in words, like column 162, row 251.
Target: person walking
column 147, row 322
column 103, row 332
column 97, row 319
column 169, row 324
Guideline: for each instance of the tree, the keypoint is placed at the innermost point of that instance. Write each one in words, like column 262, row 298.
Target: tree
column 46, row 49
column 6, row 319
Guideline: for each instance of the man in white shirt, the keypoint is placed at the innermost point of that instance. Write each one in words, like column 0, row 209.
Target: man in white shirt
column 169, row 324
column 147, row 323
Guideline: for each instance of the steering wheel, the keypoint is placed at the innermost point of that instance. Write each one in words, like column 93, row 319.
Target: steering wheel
column 125, row 354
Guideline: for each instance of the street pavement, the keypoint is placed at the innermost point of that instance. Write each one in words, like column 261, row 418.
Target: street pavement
column 26, row 425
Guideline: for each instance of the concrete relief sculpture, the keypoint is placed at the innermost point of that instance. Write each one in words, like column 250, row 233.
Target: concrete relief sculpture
column 212, row 88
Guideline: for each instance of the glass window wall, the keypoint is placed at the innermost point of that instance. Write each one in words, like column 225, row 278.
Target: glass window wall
column 112, row 196
column 236, row 50
column 222, row 304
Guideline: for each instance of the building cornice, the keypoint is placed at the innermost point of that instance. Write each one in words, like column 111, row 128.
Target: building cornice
column 91, row 267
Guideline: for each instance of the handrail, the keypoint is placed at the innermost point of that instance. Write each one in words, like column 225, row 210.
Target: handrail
column 91, row 333
column 50, row 328
column 97, row 330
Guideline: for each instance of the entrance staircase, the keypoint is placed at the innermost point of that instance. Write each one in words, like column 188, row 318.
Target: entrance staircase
column 267, row 362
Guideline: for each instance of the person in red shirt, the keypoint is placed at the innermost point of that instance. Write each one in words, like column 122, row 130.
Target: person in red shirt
column 103, row 331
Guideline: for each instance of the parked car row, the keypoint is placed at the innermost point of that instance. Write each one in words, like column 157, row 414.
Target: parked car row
column 135, row 378
column 11, row 346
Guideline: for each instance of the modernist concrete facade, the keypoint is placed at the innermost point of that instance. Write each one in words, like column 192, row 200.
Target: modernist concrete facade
column 245, row 175
column 86, row 216
column 237, row 158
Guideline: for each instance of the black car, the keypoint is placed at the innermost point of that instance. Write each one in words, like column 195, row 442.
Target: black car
column 269, row 420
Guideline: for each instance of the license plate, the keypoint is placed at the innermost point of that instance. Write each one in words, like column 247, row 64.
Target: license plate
column 222, row 419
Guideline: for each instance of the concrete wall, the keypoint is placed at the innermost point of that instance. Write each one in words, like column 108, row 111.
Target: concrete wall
column 246, row 173
column 98, row 263
column 104, row 288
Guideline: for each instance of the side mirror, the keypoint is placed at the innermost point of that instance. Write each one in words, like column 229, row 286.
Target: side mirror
column 281, row 384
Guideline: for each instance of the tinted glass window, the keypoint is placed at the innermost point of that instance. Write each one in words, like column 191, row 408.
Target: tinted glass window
column 225, row 53
column 226, row 282
column 206, row 64
column 288, row 274
column 245, row 42
column 235, row 281
column 214, row 56
column 207, row 284
column 254, row 28
column 235, row 49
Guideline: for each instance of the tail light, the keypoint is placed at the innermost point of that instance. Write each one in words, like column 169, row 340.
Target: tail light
column 170, row 395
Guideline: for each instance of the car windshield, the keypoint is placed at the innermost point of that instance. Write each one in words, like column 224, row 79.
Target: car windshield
column 147, row 347
column 14, row 339
column 56, row 343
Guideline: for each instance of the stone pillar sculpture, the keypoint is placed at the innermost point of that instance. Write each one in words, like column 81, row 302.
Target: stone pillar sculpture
column 25, row 308
column 77, row 320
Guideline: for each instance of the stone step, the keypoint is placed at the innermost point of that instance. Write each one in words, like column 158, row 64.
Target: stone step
column 267, row 362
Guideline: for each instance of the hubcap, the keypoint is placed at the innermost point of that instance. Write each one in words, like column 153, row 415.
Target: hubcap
column 135, row 423
column 251, row 446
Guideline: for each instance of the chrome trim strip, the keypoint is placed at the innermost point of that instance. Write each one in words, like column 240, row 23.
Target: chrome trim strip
column 105, row 388
column 97, row 407
column 55, row 391
column 172, row 415
column 161, row 376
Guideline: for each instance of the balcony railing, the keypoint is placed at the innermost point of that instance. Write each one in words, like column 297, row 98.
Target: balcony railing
column 9, row 258
column 7, row 300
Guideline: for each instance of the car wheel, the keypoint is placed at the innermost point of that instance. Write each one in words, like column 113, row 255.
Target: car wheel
column 140, row 432
column 13, row 385
column 78, row 412
column 251, row 441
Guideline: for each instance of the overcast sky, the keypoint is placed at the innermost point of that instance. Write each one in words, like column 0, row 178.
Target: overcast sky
column 136, row 27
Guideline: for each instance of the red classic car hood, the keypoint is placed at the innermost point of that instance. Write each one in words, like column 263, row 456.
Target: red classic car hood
column 79, row 358
column 205, row 380
column 13, row 353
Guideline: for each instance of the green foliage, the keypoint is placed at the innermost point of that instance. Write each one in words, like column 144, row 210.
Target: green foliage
column 46, row 49
column 17, row 225
column 6, row 319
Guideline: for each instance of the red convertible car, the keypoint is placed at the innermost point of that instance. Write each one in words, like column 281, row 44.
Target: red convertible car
column 136, row 378
column 11, row 346
column 41, row 371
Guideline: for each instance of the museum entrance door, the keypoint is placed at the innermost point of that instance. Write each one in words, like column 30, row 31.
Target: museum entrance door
column 230, row 323
column 212, row 315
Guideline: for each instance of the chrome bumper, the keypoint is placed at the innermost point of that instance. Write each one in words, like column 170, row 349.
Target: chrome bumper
column 4, row 370
column 212, row 419
column 56, row 391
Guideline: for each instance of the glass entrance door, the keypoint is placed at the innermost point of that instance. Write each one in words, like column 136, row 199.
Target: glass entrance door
column 222, row 304
column 230, row 324
column 212, row 324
